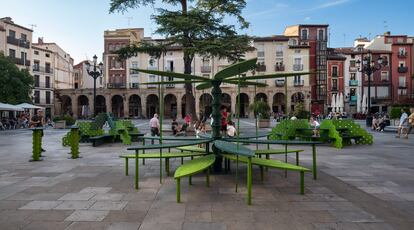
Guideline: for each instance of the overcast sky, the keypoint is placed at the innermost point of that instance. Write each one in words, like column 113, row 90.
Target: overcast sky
column 78, row 25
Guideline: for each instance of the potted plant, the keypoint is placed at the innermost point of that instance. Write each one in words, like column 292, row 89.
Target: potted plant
column 62, row 122
column 262, row 111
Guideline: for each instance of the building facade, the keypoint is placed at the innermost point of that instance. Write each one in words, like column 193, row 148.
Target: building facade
column 335, row 75
column 81, row 78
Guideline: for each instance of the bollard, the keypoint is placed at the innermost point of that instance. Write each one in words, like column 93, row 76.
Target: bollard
column 74, row 142
column 36, row 144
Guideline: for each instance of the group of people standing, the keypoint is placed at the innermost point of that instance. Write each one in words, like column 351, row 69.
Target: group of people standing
column 406, row 123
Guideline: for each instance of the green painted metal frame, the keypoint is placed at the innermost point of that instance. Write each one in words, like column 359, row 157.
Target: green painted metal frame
column 74, row 142
column 36, row 144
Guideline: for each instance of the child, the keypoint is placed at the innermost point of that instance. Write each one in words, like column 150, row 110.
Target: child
column 231, row 130
column 315, row 125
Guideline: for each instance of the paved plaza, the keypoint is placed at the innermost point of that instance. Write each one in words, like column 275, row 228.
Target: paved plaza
column 358, row 187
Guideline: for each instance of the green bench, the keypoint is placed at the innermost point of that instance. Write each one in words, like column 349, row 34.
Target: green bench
column 268, row 152
column 193, row 167
column 347, row 139
column 98, row 140
column 165, row 156
column 194, row 149
column 273, row 164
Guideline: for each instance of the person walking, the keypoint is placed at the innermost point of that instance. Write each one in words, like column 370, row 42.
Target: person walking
column 403, row 123
column 155, row 125
column 410, row 122
column 38, row 121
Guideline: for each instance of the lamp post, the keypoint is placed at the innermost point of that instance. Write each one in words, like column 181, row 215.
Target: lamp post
column 369, row 66
column 94, row 73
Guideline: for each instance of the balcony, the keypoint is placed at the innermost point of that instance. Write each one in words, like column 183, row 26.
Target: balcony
column 116, row 85
column 133, row 71
column 206, row 69
column 402, row 85
column 334, row 89
column 279, row 68
column 279, row 53
column 297, row 67
column 42, row 69
column 19, row 61
column 353, row 98
column 299, row 83
column 280, row 82
column 353, row 82
column 353, row 69
column 402, row 69
column 170, row 85
column 44, row 85
column 134, row 85
column 18, row 42
column 261, row 68
column 402, row 55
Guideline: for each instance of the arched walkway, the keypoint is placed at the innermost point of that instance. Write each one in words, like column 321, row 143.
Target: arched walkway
column 152, row 105
column 244, row 104
column 260, row 97
column 100, row 104
column 205, row 104
column 170, row 106
column 278, row 105
column 226, row 101
column 83, row 106
column 134, row 103
column 117, row 106
column 66, row 105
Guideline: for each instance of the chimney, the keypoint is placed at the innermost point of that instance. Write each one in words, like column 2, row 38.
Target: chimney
column 40, row 40
column 8, row 19
column 387, row 33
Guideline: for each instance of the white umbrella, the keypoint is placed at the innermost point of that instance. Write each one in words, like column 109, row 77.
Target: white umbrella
column 29, row 106
column 341, row 103
column 358, row 103
column 333, row 103
column 364, row 103
column 8, row 107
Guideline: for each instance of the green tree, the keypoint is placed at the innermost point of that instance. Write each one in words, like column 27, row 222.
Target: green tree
column 198, row 29
column 15, row 85
column 300, row 111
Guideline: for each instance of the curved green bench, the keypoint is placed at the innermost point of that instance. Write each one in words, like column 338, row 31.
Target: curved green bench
column 193, row 167
column 273, row 164
column 268, row 152
column 166, row 156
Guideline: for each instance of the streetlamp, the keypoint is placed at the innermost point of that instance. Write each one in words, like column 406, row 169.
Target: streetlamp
column 369, row 66
column 95, row 73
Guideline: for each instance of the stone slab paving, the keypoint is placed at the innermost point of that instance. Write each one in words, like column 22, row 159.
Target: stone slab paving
column 359, row 187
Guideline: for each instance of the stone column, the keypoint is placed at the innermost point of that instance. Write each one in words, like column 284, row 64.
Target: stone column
column 233, row 103
column 108, row 103
column 144, row 105
column 126, row 106
column 179, row 112
column 197, row 106
column 90, row 105
column 74, row 105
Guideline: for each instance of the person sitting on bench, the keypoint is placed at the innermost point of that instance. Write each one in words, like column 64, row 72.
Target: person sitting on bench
column 315, row 125
column 183, row 130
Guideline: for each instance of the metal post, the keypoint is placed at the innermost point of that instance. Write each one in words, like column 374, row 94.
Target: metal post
column 94, row 94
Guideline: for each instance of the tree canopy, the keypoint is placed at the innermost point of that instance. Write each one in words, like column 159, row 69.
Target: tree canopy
column 15, row 85
column 198, row 27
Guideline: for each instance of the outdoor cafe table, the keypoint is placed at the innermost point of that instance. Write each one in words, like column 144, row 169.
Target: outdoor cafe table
column 160, row 147
column 286, row 143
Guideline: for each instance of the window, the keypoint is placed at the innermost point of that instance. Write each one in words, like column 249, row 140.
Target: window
column 401, row 51
column 389, row 40
column 400, row 40
column 385, row 60
column 298, row 80
column 297, row 51
column 304, row 34
column 23, row 37
column 36, row 52
column 321, row 35
column 47, row 82
column 260, row 51
column 36, row 65
column 118, row 64
column 352, row 63
column 47, row 55
column 293, row 42
column 100, row 80
column 12, row 33
column 47, row 68
column 334, row 84
column 334, row 71
column 47, row 97
column 279, row 50
column 401, row 81
column 371, row 78
column 36, row 96
column 352, row 91
column 76, row 85
column 36, row 80
column 401, row 64
column 134, row 65
column 384, row 76
column 12, row 53
column 353, row 76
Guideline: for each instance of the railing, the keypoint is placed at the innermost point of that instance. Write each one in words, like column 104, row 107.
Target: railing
column 402, row 55
column 20, row 61
column 353, row 82
column 279, row 53
column 133, row 71
column 353, row 69
column 299, row 83
column 42, row 69
column 18, row 42
column 46, row 85
column 402, row 85
column 172, row 85
column 279, row 68
column 297, row 67
column 402, row 69
column 334, row 74
column 133, row 85
column 116, row 85
column 280, row 82
column 261, row 68
column 353, row 98
column 205, row 69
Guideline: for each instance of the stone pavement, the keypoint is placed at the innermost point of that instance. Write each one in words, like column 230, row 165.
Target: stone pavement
column 359, row 187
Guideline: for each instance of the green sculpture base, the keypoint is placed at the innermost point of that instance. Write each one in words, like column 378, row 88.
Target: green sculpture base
column 37, row 144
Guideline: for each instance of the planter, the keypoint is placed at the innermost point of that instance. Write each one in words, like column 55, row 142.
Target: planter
column 60, row 124
column 263, row 123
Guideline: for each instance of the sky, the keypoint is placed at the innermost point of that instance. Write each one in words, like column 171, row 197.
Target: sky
column 78, row 25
